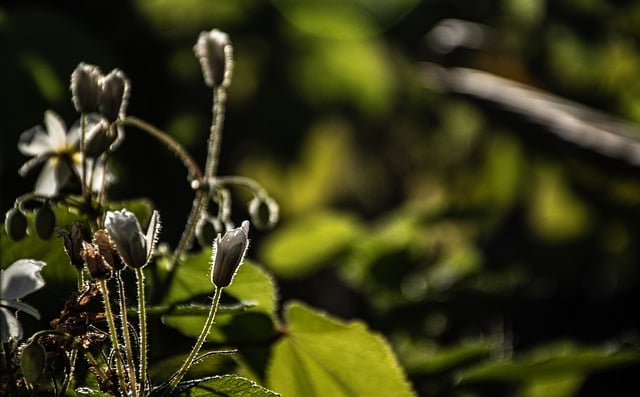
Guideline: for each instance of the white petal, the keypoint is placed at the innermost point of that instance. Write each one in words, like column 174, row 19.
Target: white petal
column 34, row 142
column 56, row 128
column 14, row 304
column 21, row 278
column 10, row 328
column 47, row 184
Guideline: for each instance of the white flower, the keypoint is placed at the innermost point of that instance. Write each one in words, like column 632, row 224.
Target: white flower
column 59, row 151
column 18, row 280
column 134, row 246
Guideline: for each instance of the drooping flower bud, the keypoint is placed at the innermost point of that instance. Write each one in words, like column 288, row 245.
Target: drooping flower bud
column 228, row 253
column 73, row 243
column 15, row 223
column 107, row 249
column 32, row 361
column 45, row 222
column 134, row 247
column 99, row 137
column 98, row 267
column 264, row 212
column 114, row 95
column 85, row 87
column 215, row 53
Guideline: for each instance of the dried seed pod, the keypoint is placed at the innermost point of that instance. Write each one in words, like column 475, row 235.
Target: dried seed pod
column 107, row 249
column 73, row 243
column 98, row 267
column 45, row 222
column 15, row 223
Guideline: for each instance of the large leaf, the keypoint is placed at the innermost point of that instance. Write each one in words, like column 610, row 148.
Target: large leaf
column 305, row 244
column 321, row 356
column 225, row 386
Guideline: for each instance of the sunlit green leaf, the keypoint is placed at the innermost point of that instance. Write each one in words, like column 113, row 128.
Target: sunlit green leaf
column 302, row 246
column 224, row 386
column 321, row 356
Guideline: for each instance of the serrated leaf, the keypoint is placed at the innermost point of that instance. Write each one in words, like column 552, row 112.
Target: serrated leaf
column 321, row 356
column 303, row 246
column 192, row 309
column 225, row 386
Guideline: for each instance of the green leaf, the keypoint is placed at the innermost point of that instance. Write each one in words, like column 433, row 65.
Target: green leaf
column 191, row 309
column 252, row 289
column 304, row 245
column 321, row 356
column 548, row 362
column 225, row 386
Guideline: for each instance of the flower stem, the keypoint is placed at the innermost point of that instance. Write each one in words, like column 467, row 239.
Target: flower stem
column 86, row 189
column 131, row 368
column 113, row 334
column 142, row 321
column 203, row 335
column 215, row 137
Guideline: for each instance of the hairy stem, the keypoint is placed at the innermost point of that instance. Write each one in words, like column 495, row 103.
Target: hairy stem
column 196, row 348
column 142, row 321
column 113, row 334
column 131, row 368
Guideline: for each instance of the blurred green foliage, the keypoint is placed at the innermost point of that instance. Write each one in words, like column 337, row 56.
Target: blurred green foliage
column 498, row 259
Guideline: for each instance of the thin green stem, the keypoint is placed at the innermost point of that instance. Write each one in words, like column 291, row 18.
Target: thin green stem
column 69, row 376
column 215, row 137
column 142, row 321
column 86, row 190
column 80, row 279
column 243, row 181
column 196, row 348
column 94, row 364
column 113, row 334
column 131, row 368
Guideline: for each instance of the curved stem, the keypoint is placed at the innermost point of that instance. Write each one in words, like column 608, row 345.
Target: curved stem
column 163, row 137
column 113, row 334
column 72, row 367
column 131, row 368
column 203, row 336
column 142, row 321
column 243, row 181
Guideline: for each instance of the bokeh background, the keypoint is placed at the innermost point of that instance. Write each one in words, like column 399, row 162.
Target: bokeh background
column 462, row 232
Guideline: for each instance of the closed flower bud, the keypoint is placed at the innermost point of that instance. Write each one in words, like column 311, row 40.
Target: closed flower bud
column 114, row 95
column 32, row 361
column 85, row 87
column 99, row 137
column 98, row 267
column 15, row 223
column 45, row 222
column 135, row 247
column 264, row 212
column 107, row 249
column 228, row 253
column 215, row 53
column 73, row 240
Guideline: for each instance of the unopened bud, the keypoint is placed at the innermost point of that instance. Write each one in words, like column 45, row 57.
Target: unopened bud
column 99, row 138
column 228, row 254
column 264, row 212
column 98, row 268
column 114, row 95
column 134, row 247
column 32, row 361
column 107, row 249
column 15, row 223
column 85, row 87
column 45, row 222
column 215, row 53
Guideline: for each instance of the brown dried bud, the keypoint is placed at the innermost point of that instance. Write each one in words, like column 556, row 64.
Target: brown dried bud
column 107, row 249
column 45, row 222
column 96, row 264
column 73, row 243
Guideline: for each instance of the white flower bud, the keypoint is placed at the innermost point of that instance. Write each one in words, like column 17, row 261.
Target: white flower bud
column 134, row 247
column 114, row 95
column 85, row 87
column 215, row 53
column 228, row 253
